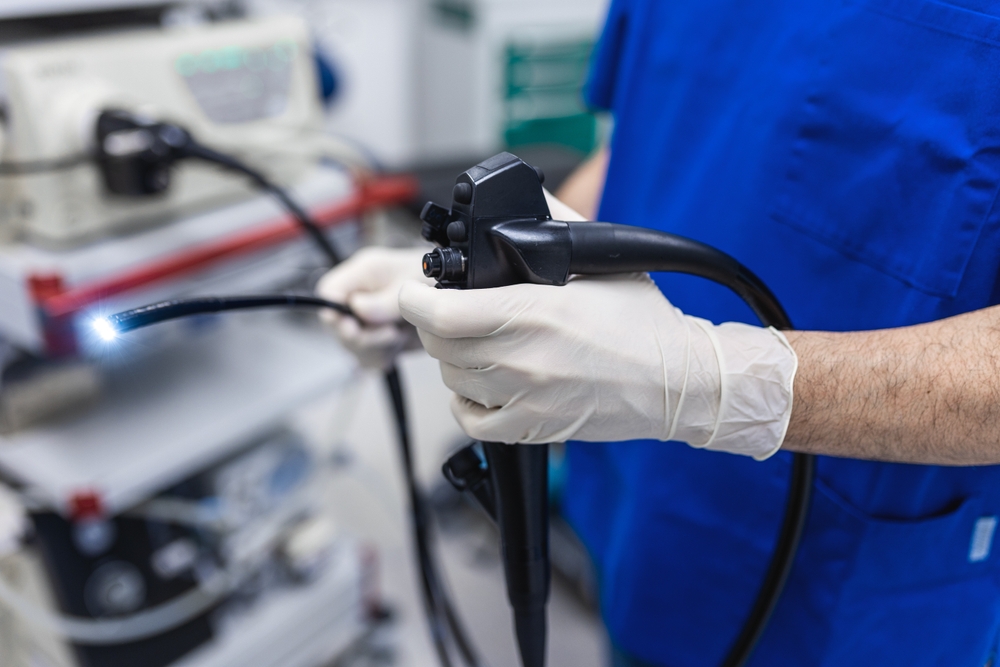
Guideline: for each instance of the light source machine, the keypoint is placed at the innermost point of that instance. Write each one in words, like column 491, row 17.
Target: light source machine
column 250, row 85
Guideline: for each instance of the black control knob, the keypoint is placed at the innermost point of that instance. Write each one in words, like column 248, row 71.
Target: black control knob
column 462, row 193
column 444, row 264
column 456, row 231
column 436, row 219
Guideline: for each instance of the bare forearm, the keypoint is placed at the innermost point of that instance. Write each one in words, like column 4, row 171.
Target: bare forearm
column 582, row 189
column 922, row 394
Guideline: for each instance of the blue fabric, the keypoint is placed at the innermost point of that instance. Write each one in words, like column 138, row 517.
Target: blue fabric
column 328, row 78
column 849, row 154
column 621, row 659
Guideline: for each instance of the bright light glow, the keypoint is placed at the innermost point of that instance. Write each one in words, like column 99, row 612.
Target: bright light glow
column 105, row 329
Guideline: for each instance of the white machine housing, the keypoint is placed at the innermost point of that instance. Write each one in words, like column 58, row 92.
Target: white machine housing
column 246, row 86
column 426, row 81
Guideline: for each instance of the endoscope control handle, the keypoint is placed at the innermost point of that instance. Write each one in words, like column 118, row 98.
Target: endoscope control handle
column 500, row 190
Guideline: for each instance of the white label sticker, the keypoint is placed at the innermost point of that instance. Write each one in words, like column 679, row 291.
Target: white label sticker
column 982, row 539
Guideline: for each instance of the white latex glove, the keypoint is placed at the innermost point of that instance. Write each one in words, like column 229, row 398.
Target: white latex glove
column 13, row 521
column 603, row 359
column 369, row 283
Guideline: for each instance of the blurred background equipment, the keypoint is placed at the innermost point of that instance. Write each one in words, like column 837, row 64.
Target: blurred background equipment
column 443, row 81
column 221, row 492
column 249, row 85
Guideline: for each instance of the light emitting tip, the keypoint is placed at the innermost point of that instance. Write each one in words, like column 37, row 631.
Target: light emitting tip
column 105, row 329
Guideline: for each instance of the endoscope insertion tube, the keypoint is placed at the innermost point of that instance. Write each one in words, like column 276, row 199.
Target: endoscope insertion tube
column 108, row 328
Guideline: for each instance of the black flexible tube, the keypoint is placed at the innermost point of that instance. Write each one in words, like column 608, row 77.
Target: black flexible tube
column 419, row 510
column 42, row 166
column 605, row 248
column 200, row 152
column 435, row 598
column 789, row 537
column 602, row 248
column 162, row 311
column 442, row 618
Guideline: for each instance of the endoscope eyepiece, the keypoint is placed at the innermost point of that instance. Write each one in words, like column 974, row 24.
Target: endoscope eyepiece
column 445, row 264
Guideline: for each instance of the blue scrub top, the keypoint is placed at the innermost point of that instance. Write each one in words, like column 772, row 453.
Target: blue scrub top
column 848, row 152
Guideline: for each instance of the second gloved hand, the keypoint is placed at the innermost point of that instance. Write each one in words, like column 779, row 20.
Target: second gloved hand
column 603, row 359
column 369, row 283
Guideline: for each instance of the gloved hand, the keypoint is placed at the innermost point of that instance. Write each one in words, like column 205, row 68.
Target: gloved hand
column 369, row 283
column 603, row 359
column 13, row 521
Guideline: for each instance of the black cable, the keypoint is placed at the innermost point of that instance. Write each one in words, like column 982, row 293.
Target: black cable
column 799, row 497
column 30, row 167
column 434, row 587
column 162, row 311
column 145, row 172
column 798, row 500
column 778, row 570
column 196, row 150
column 441, row 614
column 428, row 576
column 600, row 248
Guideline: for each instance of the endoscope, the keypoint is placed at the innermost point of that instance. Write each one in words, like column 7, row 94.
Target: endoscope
column 499, row 231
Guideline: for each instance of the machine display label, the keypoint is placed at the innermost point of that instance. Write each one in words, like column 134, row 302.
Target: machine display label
column 235, row 84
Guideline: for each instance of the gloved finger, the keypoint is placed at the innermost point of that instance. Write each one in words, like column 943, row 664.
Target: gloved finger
column 498, row 424
column 465, row 352
column 377, row 307
column 358, row 272
column 487, row 387
column 451, row 313
column 376, row 348
column 357, row 337
column 511, row 425
column 371, row 269
column 332, row 318
column 478, row 421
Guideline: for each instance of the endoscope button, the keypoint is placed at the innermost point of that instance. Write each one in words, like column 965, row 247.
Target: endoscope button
column 456, row 231
column 463, row 193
